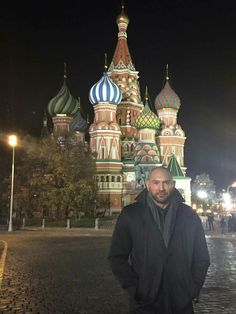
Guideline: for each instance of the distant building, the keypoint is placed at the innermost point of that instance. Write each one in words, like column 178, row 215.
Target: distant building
column 128, row 137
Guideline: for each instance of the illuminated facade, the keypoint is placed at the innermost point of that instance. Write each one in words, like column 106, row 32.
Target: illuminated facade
column 128, row 137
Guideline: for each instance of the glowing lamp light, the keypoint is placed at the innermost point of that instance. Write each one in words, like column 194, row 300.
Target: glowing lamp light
column 200, row 211
column 227, row 201
column 202, row 194
column 226, row 197
column 12, row 140
column 194, row 206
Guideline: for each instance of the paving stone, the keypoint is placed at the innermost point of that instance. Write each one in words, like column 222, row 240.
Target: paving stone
column 53, row 273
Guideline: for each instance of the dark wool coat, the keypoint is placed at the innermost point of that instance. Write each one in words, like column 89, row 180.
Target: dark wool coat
column 159, row 279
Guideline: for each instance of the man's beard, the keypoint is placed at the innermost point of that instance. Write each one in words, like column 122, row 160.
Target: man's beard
column 161, row 197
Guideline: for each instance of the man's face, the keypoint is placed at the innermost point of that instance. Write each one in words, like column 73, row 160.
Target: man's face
column 160, row 185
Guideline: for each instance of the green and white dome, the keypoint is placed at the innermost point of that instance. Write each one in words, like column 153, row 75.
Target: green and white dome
column 63, row 103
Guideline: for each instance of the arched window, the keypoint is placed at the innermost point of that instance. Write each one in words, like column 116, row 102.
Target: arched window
column 112, row 179
column 107, row 178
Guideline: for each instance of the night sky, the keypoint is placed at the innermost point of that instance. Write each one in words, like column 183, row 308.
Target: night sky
column 196, row 39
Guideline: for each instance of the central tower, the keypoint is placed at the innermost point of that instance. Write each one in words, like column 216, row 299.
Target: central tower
column 124, row 74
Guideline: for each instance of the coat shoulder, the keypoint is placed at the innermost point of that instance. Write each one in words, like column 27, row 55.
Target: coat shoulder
column 132, row 209
column 188, row 212
column 129, row 214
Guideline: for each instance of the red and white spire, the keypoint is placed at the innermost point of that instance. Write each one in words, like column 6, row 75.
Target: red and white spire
column 122, row 70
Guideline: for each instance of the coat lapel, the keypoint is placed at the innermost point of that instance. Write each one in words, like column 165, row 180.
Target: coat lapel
column 172, row 226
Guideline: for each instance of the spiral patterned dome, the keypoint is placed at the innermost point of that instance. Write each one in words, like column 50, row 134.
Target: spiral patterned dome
column 105, row 91
column 63, row 103
column 147, row 119
column 167, row 98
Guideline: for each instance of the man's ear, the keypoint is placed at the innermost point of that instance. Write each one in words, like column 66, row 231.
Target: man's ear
column 174, row 183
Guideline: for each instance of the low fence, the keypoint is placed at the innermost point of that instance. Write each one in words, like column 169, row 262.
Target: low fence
column 84, row 222
column 106, row 223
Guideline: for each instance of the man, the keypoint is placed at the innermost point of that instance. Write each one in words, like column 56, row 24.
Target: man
column 210, row 220
column 158, row 249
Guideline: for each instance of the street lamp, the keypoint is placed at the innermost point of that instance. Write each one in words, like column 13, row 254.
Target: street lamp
column 12, row 141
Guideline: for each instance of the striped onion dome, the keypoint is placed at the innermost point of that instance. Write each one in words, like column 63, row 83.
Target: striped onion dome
column 147, row 119
column 78, row 123
column 167, row 98
column 63, row 102
column 105, row 91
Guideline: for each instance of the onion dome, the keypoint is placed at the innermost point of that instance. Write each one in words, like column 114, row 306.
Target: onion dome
column 105, row 90
column 63, row 102
column 78, row 123
column 167, row 98
column 122, row 17
column 147, row 119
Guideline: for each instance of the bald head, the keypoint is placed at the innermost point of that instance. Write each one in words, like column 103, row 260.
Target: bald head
column 160, row 170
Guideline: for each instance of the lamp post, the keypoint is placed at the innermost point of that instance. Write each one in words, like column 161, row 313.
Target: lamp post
column 12, row 141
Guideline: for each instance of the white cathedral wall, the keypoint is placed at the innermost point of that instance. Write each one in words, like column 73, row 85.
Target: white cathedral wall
column 185, row 185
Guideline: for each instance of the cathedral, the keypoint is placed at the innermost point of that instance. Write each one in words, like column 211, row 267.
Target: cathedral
column 128, row 137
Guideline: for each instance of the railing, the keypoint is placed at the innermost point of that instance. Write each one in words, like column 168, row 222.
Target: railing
column 84, row 222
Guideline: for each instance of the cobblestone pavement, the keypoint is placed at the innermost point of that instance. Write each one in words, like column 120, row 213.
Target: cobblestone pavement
column 67, row 272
